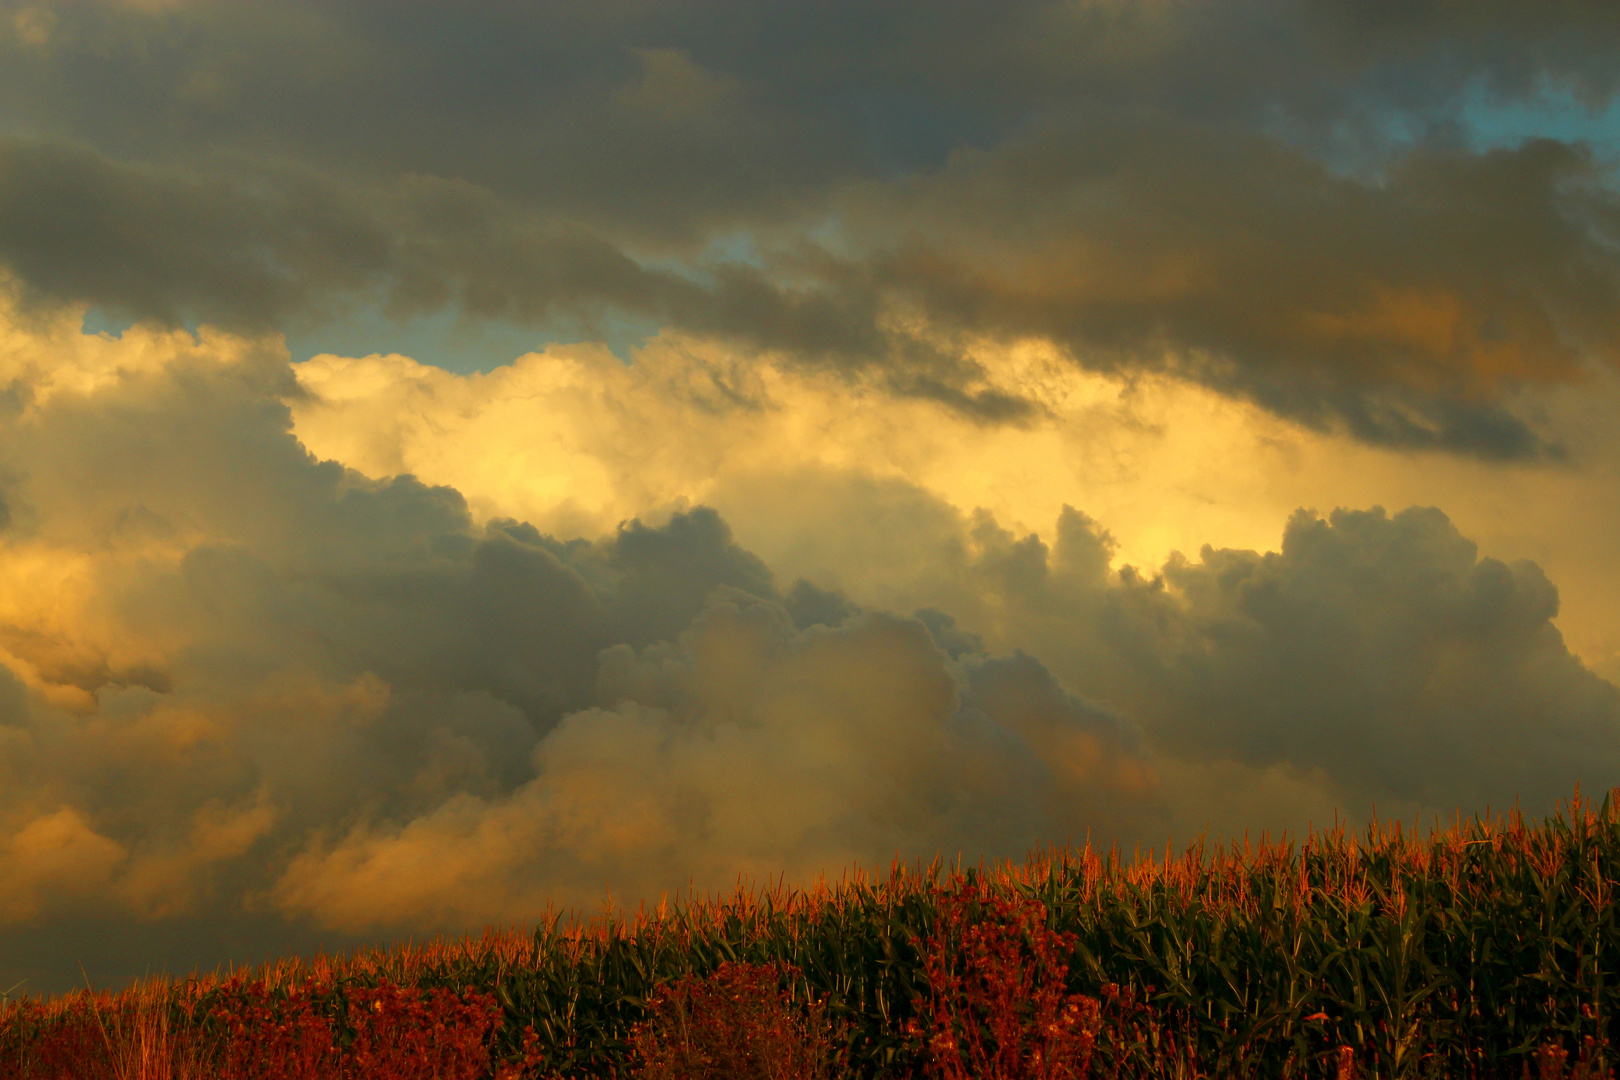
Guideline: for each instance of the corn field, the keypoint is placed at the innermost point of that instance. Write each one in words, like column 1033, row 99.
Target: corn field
column 1483, row 949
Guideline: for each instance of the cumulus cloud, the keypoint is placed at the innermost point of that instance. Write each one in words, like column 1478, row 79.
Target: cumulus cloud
column 244, row 682
column 746, row 748
column 254, row 692
column 1362, row 651
column 876, row 500
column 1366, row 649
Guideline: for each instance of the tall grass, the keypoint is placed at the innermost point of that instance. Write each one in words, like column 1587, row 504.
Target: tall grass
column 1486, row 948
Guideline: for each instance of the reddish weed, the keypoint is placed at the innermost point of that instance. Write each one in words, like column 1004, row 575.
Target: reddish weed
column 738, row 1024
column 409, row 1034
column 998, row 1006
column 397, row 1034
column 61, row 1041
column 272, row 1037
column 1551, row 1061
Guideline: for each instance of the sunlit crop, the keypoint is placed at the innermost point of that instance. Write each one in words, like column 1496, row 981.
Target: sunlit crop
column 1484, row 949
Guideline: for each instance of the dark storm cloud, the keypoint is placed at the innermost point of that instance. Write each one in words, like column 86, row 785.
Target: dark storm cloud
column 256, row 248
column 1398, row 310
column 1274, row 199
column 76, row 226
column 681, row 116
column 264, row 248
column 1513, row 46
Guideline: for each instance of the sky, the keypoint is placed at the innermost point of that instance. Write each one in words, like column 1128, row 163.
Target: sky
column 460, row 462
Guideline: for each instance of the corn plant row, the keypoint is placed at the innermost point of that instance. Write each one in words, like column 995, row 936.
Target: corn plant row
column 1486, row 948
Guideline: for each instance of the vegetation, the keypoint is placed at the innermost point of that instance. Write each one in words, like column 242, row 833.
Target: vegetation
column 1487, row 949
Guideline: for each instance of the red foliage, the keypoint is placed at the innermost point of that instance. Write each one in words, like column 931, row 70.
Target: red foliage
column 738, row 1024
column 1552, row 1059
column 248, row 1031
column 398, row 1033
column 272, row 1037
column 55, row 1044
column 409, row 1034
column 998, row 1003
column 529, row 1064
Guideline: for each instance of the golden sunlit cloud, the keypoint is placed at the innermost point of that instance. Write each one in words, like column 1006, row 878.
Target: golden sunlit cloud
column 324, row 619
column 577, row 441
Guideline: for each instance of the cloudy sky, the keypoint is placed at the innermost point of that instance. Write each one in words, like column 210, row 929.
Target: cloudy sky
column 462, row 459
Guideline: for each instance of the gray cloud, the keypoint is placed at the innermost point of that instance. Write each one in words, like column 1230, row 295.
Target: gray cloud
column 1399, row 311
column 1272, row 198
column 259, row 693
column 261, row 248
column 678, row 119
column 750, row 747
column 265, row 686
column 1377, row 656
column 1380, row 653
column 1373, row 647
column 286, row 560
column 164, row 244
